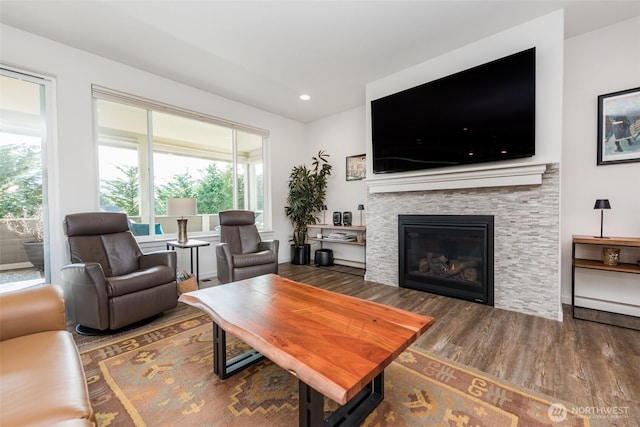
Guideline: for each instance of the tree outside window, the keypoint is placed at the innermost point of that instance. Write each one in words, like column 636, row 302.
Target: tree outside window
column 20, row 180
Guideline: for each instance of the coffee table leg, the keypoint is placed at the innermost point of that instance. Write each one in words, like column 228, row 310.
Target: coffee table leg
column 225, row 368
column 310, row 406
column 353, row 413
column 219, row 352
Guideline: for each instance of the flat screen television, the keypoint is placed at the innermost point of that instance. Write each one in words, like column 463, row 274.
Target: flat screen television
column 483, row 114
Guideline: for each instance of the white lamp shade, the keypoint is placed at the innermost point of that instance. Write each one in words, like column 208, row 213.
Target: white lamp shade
column 181, row 206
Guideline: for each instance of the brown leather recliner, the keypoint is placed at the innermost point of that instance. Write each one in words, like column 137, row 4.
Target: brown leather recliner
column 112, row 284
column 241, row 253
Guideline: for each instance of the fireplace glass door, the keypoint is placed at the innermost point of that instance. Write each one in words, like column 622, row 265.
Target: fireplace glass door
column 448, row 255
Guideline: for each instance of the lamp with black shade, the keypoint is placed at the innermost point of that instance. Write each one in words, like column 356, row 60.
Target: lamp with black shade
column 602, row 204
column 181, row 206
column 361, row 208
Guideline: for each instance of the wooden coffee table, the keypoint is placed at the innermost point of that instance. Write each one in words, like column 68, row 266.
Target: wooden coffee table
column 338, row 346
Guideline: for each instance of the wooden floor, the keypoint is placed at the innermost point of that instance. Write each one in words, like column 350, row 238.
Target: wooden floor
column 596, row 367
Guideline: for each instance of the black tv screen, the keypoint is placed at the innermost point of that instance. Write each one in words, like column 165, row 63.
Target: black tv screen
column 482, row 114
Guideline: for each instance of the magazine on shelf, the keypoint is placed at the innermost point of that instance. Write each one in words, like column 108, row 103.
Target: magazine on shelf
column 340, row 236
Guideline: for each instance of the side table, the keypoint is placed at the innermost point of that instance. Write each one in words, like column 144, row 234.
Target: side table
column 191, row 244
column 624, row 300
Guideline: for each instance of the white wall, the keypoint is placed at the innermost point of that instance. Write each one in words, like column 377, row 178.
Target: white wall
column 597, row 63
column 341, row 135
column 75, row 71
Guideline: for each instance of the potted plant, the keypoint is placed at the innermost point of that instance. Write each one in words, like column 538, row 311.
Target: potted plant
column 31, row 231
column 307, row 191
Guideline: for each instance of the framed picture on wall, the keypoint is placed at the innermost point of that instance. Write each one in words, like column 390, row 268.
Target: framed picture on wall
column 619, row 127
column 356, row 167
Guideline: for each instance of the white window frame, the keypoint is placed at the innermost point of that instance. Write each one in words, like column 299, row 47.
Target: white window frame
column 103, row 93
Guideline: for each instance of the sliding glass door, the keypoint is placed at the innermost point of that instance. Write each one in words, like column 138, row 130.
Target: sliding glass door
column 23, row 203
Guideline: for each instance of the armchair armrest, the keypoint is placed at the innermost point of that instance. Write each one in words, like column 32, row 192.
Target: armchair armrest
column 31, row 310
column 270, row 245
column 224, row 262
column 163, row 257
column 87, row 286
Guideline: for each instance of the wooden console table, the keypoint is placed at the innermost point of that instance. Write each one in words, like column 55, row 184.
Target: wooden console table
column 598, row 264
column 321, row 227
column 326, row 229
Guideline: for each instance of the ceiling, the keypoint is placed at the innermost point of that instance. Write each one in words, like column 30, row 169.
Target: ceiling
column 267, row 53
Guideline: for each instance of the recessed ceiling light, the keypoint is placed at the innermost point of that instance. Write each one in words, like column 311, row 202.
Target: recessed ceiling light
column 305, row 97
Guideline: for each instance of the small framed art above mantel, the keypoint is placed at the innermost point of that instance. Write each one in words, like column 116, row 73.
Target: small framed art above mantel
column 356, row 167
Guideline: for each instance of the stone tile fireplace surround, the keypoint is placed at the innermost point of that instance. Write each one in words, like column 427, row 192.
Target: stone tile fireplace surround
column 527, row 237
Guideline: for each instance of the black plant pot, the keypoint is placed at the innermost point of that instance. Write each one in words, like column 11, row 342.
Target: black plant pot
column 35, row 253
column 301, row 255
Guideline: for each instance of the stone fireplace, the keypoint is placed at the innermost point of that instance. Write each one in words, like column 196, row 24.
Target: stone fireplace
column 526, row 237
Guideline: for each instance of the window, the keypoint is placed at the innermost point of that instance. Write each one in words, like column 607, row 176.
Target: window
column 26, row 117
column 149, row 153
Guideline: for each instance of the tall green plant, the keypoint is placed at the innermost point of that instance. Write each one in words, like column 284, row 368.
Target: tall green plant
column 307, row 191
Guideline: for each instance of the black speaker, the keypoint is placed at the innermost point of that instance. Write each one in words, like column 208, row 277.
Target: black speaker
column 337, row 218
column 346, row 219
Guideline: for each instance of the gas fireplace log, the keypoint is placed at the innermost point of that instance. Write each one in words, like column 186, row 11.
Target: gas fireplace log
column 443, row 267
column 470, row 274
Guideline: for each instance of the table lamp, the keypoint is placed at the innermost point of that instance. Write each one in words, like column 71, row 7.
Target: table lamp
column 360, row 208
column 602, row 204
column 182, row 206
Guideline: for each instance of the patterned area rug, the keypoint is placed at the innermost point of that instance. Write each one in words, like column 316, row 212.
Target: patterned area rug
column 164, row 377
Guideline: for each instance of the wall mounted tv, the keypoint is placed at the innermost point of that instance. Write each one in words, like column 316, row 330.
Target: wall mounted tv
column 483, row 114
